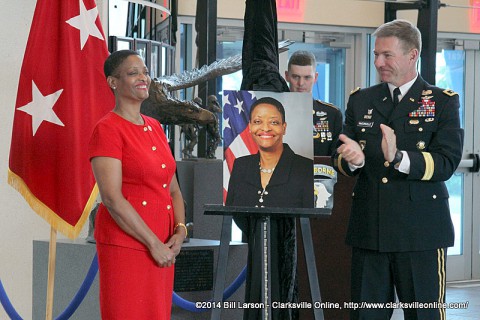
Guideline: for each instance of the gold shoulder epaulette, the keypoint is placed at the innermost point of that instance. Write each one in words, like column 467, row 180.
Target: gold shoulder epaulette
column 449, row 92
column 327, row 104
column 355, row 90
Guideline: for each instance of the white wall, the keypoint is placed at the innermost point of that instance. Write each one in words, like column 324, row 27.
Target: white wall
column 19, row 224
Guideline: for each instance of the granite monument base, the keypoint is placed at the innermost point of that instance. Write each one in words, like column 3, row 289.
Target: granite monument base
column 201, row 181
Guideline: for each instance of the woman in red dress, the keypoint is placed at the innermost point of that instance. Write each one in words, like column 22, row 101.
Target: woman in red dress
column 139, row 228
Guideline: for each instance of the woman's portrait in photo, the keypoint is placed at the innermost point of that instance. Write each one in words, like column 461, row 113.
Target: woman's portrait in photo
column 273, row 175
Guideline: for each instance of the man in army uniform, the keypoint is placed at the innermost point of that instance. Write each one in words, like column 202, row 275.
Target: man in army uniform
column 327, row 118
column 403, row 139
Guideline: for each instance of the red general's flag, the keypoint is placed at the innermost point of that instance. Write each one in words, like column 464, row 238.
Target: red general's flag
column 62, row 93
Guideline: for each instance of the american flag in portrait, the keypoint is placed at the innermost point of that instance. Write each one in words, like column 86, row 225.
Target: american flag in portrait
column 237, row 141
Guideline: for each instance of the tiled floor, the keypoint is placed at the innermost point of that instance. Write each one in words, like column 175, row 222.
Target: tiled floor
column 461, row 293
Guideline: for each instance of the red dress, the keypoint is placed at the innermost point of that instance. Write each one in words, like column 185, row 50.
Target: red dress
column 132, row 285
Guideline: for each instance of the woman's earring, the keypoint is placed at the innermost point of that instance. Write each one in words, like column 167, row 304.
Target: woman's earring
column 114, row 88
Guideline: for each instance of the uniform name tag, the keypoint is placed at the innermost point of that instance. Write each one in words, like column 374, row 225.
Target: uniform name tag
column 365, row 124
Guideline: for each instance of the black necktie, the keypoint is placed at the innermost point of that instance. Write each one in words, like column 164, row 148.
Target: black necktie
column 396, row 93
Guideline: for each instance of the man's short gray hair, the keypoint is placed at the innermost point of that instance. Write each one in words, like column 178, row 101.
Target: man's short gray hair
column 408, row 34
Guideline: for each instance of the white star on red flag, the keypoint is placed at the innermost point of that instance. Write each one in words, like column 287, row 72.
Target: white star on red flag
column 41, row 108
column 62, row 93
column 85, row 22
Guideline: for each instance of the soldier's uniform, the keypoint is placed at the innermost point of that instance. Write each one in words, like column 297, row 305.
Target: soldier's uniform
column 394, row 212
column 327, row 125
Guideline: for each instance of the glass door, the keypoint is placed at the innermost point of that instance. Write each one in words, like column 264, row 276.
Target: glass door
column 330, row 50
column 476, row 174
column 458, row 65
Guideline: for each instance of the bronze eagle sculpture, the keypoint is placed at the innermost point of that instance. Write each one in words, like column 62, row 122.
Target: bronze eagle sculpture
column 166, row 108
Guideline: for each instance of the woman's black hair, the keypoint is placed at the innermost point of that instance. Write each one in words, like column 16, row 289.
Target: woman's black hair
column 115, row 59
column 271, row 101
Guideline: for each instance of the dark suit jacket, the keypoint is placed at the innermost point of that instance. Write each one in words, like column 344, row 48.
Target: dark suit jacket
column 291, row 186
column 393, row 211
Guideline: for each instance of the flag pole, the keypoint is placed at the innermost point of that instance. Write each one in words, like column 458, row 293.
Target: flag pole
column 52, row 255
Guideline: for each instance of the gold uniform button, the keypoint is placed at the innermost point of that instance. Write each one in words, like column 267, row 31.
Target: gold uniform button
column 421, row 145
column 164, row 185
column 149, row 128
column 164, row 165
column 384, row 180
column 145, row 129
column 434, row 196
column 144, row 203
column 420, row 129
column 363, row 129
column 386, row 164
column 169, row 207
column 154, row 148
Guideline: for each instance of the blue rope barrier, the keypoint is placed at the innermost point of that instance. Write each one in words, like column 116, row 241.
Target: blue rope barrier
column 190, row 306
column 87, row 283
column 72, row 306
column 12, row 313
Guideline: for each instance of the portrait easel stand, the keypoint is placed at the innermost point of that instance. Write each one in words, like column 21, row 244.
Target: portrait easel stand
column 266, row 213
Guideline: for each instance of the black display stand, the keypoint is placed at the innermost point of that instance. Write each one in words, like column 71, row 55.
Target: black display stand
column 266, row 213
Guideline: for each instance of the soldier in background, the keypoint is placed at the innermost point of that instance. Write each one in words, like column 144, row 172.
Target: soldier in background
column 327, row 118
